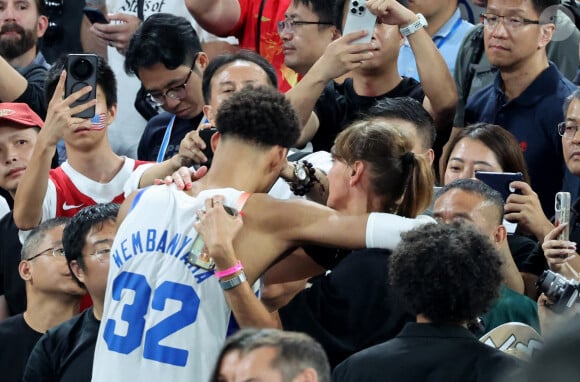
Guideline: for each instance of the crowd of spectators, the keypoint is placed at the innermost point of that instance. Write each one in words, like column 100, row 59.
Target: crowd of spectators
column 258, row 196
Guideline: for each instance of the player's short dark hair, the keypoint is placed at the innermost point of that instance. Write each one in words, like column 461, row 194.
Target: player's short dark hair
column 324, row 9
column 227, row 58
column 77, row 228
column 162, row 38
column 105, row 79
column 447, row 272
column 261, row 115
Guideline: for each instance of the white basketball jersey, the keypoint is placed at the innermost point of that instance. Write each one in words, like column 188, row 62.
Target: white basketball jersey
column 164, row 319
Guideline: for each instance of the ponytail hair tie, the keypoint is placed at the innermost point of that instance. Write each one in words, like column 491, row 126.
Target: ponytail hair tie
column 408, row 158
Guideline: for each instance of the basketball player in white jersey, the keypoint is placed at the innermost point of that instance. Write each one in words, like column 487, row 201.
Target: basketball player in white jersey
column 164, row 317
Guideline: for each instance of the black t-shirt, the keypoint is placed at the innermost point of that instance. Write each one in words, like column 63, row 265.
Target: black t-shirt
column 525, row 256
column 339, row 105
column 350, row 308
column 152, row 137
column 11, row 284
column 35, row 74
column 65, row 353
column 17, row 340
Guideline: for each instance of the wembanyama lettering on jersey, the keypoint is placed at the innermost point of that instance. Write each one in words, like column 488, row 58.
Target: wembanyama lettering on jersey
column 164, row 319
column 75, row 191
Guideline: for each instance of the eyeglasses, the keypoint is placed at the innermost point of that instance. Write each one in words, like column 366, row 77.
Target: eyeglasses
column 101, row 254
column 289, row 24
column 567, row 131
column 54, row 252
column 176, row 93
column 512, row 22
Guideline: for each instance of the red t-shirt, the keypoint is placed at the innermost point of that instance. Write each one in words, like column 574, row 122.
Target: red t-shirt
column 270, row 42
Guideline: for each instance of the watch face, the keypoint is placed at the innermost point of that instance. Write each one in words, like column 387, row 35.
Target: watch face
column 301, row 173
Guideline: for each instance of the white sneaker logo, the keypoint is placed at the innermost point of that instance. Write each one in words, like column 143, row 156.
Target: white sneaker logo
column 67, row 207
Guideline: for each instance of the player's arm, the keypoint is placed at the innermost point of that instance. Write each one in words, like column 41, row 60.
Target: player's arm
column 34, row 181
column 218, row 17
column 218, row 230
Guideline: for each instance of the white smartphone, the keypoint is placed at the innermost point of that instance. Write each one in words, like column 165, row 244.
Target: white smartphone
column 562, row 208
column 359, row 18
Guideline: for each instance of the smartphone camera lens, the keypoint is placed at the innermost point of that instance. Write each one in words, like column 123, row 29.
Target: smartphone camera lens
column 82, row 69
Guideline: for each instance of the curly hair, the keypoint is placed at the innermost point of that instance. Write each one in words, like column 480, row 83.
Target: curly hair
column 395, row 171
column 77, row 228
column 162, row 38
column 448, row 272
column 261, row 115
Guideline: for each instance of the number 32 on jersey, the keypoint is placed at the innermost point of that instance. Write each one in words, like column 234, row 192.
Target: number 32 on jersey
column 134, row 315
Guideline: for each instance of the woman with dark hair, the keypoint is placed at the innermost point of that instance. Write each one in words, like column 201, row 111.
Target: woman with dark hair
column 488, row 147
column 483, row 147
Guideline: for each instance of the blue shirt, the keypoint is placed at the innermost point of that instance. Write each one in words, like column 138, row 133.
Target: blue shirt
column 532, row 118
column 448, row 40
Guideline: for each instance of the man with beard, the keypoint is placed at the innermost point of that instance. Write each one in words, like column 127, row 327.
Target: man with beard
column 22, row 68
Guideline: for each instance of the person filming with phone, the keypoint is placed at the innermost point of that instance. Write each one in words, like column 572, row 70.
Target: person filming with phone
column 560, row 252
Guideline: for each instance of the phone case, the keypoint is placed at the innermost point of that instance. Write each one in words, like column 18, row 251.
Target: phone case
column 95, row 15
column 499, row 181
column 359, row 18
column 562, row 208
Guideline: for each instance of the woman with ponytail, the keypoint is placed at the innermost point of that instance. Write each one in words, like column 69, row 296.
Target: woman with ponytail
column 351, row 307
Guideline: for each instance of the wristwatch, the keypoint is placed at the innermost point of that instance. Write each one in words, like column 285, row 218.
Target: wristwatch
column 414, row 27
column 301, row 172
column 233, row 282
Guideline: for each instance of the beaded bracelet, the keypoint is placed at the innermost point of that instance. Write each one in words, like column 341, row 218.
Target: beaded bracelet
column 304, row 187
column 230, row 271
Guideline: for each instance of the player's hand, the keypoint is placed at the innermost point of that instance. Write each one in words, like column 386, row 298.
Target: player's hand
column 119, row 32
column 558, row 252
column 526, row 210
column 59, row 116
column 219, row 229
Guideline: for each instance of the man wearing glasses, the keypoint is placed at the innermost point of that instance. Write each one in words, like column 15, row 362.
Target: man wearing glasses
column 65, row 353
column 527, row 94
column 306, row 31
column 173, row 79
column 52, row 297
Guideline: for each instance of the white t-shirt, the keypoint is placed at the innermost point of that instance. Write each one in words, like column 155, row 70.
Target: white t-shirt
column 125, row 132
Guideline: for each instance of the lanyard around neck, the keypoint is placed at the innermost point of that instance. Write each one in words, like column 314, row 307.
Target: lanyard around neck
column 165, row 141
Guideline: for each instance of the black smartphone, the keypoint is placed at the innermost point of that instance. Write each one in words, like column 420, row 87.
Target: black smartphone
column 95, row 15
column 500, row 181
column 206, row 135
column 81, row 71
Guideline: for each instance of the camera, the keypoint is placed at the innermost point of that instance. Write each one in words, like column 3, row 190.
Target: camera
column 81, row 71
column 563, row 292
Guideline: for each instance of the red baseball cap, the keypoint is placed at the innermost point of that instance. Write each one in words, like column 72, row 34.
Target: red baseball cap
column 19, row 113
